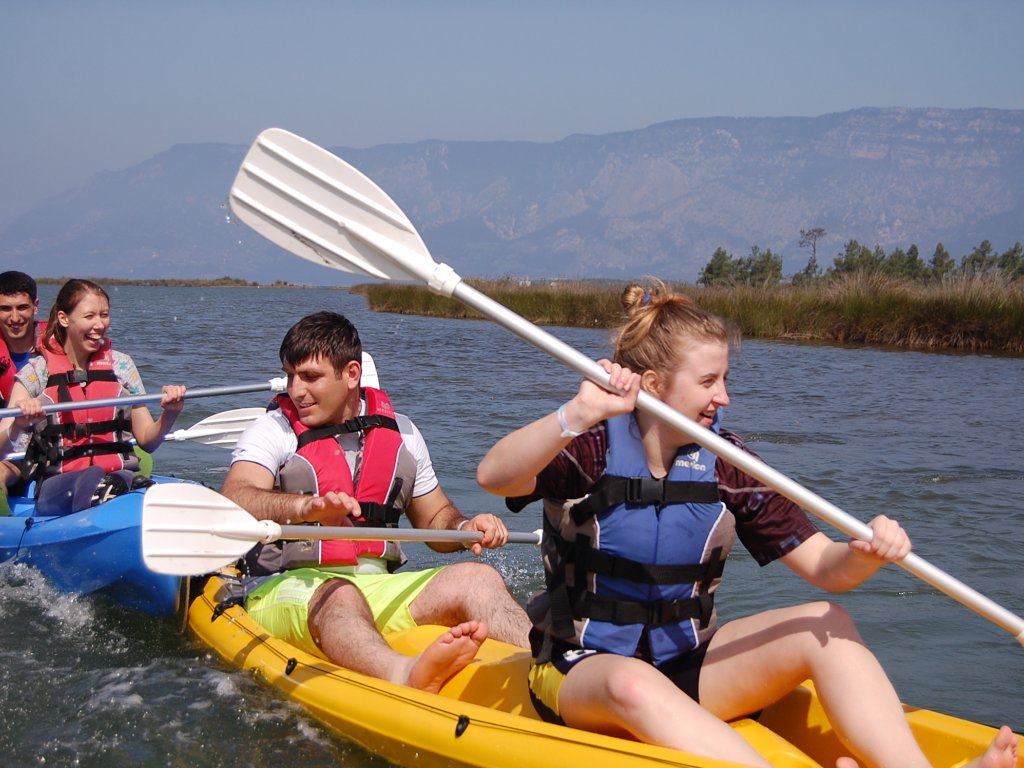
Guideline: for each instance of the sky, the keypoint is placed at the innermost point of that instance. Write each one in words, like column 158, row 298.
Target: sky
column 95, row 85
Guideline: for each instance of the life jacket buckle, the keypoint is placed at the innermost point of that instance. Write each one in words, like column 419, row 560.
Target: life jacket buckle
column 644, row 490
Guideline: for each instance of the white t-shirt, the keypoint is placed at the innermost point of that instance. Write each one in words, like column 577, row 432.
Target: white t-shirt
column 270, row 442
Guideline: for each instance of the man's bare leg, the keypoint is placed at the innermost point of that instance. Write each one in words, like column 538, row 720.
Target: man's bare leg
column 472, row 591
column 342, row 626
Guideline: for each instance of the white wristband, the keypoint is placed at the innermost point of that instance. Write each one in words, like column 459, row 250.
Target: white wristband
column 465, row 545
column 567, row 431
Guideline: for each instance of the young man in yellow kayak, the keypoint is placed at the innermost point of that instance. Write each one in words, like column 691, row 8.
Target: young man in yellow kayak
column 335, row 453
column 639, row 521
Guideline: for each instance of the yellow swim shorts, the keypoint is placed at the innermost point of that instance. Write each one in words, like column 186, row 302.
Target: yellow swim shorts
column 281, row 604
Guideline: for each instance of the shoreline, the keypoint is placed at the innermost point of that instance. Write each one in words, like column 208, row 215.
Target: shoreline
column 976, row 315
column 174, row 282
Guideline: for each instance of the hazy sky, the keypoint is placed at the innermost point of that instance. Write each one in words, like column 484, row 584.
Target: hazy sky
column 100, row 85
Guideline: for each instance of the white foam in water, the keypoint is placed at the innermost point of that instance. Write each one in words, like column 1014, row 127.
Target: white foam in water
column 23, row 586
column 117, row 695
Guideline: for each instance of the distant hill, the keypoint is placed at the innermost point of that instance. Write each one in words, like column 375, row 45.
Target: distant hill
column 653, row 201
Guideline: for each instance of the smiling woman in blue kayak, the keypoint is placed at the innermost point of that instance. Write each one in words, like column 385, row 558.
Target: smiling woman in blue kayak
column 76, row 363
column 638, row 523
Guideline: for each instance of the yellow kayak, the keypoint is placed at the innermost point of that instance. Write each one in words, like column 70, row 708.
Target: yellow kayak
column 483, row 716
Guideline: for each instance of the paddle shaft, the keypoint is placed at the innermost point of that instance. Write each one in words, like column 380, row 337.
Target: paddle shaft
column 275, row 385
column 353, row 533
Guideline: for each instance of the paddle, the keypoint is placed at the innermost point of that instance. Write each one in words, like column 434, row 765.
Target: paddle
column 222, row 429
column 317, row 206
column 188, row 530
column 274, row 385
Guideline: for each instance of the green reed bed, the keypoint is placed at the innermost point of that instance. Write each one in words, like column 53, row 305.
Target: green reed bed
column 974, row 314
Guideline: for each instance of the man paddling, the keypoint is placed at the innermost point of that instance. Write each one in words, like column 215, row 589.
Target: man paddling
column 19, row 338
column 337, row 454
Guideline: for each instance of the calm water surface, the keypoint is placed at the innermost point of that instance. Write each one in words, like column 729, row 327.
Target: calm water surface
column 928, row 438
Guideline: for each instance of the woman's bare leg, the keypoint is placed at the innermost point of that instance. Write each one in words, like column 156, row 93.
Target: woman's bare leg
column 619, row 696
column 754, row 661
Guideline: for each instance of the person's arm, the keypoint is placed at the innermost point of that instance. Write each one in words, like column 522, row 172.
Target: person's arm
column 12, row 427
column 838, row 567
column 149, row 433
column 251, row 486
column 434, row 510
column 511, row 466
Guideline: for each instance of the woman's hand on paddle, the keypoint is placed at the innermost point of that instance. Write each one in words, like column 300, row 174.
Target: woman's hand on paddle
column 494, row 532
column 31, row 412
column 593, row 403
column 174, row 398
column 889, row 542
column 332, row 508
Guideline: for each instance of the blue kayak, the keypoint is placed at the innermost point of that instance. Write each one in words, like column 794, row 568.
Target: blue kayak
column 97, row 550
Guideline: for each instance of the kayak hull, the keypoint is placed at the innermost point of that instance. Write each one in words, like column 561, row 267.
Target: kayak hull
column 95, row 551
column 483, row 716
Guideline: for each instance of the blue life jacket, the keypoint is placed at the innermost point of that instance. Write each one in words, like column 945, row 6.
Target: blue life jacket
column 634, row 565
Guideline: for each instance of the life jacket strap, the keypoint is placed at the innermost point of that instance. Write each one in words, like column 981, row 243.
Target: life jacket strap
column 651, row 614
column 585, row 559
column 358, row 424
column 613, row 490
column 376, row 515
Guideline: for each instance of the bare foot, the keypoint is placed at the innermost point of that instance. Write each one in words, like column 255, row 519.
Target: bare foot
column 1001, row 753
column 847, row 762
column 445, row 656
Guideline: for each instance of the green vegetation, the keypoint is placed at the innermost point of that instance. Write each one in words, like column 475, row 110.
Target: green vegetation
column 970, row 313
column 765, row 268
column 579, row 303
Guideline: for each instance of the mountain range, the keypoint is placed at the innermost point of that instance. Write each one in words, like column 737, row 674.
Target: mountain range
column 653, row 201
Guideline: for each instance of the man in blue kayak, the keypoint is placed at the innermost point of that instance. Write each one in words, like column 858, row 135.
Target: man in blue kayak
column 336, row 453
column 19, row 337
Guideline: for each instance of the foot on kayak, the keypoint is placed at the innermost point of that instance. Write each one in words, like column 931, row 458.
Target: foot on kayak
column 445, row 656
column 1001, row 753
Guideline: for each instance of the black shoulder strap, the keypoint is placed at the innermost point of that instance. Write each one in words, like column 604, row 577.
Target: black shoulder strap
column 358, row 424
column 613, row 490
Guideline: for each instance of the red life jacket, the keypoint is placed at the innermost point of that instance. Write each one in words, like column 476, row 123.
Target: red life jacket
column 380, row 481
column 6, row 373
column 7, row 367
column 73, row 440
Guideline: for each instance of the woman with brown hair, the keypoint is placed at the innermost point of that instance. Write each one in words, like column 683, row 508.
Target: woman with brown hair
column 638, row 523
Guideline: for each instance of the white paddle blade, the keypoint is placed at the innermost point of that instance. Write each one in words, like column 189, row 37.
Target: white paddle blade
column 369, row 377
column 188, row 530
column 314, row 204
column 220, row 429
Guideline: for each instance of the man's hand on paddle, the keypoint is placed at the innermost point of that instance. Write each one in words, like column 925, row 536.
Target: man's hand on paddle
column 331, row 509
column 494, row 532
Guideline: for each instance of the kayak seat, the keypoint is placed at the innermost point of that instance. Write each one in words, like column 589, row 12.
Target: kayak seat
column 67, row 493
column 72, row 492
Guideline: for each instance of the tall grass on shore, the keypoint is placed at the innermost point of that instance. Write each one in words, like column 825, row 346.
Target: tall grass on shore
column 969, row 314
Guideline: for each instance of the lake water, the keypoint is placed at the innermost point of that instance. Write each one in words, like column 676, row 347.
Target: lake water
column 928, row 438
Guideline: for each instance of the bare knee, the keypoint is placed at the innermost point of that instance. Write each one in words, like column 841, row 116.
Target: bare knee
column 473, row 582
column 836, row 621
column 625, row 689
column 828, row 627
column 461, row 591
